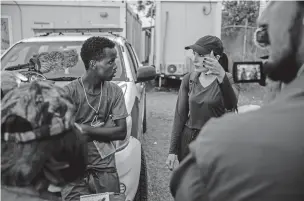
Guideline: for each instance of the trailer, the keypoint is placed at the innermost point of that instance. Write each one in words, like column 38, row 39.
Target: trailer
column 22, row 17
column 178, row 24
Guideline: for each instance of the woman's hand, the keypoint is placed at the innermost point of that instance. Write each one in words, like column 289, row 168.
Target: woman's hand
column 170, row 161
column 214, row 67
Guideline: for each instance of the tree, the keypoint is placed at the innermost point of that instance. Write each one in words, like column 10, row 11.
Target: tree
column 236, row 13
column 148, row 7
column 236, row 36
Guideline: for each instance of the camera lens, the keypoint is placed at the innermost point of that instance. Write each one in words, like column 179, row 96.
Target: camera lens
column 261, row 37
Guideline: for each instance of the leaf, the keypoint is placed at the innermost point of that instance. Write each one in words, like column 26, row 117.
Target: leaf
column 236, row 14
column 147, row 7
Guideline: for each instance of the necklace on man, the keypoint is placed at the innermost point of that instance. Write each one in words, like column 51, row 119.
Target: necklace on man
column 95, row 122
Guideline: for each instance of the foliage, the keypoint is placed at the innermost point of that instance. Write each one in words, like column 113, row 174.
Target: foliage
column 237, row 12
column 234, row 12
column 148, row 7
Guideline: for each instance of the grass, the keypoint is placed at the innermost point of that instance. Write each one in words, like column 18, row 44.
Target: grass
column 251, row 94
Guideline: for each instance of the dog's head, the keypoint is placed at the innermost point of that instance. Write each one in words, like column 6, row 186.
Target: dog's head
column 281, row 32
column 38, row 140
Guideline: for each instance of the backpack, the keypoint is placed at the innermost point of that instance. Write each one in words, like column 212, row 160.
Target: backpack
column 193, row 78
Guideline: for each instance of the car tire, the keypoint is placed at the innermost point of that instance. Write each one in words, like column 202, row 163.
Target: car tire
column 142, row 190
column 145, row 116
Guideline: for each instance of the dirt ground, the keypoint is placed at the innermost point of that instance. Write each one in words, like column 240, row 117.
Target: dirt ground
column 160, row 111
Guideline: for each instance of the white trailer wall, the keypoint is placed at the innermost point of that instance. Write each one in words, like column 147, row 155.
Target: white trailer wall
column 26, row 15
column 181, row 23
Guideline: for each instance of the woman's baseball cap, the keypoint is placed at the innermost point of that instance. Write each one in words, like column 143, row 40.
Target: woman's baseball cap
column 206, row 44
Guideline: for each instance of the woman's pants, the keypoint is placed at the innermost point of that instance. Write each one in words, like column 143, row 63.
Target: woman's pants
column 187, row 136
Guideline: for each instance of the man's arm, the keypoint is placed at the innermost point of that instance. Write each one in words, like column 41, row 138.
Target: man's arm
column 117, row 132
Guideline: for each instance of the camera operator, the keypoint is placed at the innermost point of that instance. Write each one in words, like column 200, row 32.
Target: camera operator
column 265, row 161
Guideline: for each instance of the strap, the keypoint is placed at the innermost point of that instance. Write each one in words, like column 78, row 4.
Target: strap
column 192, row 79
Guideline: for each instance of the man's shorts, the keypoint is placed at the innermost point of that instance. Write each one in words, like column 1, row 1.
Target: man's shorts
column 95, row 181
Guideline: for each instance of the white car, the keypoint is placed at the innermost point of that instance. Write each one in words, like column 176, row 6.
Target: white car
column 130, row 76
column 248, row 108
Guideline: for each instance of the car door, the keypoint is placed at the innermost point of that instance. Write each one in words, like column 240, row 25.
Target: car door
column 137, row 110
column 141, row 85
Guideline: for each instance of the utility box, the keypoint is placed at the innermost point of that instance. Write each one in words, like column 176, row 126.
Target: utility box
column 177, row 25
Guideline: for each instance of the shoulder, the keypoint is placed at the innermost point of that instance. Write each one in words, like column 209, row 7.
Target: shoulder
column 72, row 85
column 113, row 88
column 233, row 124
column 220, row 134
column 187, row 78
column 112, row 85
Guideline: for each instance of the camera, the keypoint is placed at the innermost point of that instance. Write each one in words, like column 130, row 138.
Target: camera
column 248, row 72
column 261, row 38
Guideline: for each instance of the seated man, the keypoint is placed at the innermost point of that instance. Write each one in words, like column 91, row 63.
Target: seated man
column 98, row 101
column 39, row 145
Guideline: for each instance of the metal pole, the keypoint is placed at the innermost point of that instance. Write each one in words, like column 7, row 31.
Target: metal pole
column 160, row 81
column 21, row 19
column 245, row 40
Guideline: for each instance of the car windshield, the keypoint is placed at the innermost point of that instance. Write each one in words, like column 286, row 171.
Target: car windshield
column 21, row 53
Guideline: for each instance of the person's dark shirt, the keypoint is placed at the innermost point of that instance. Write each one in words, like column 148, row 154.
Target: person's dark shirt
column 255, row 156
column 196, row 106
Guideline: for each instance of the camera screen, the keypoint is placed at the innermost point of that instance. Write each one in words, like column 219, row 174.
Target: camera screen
column 247, row 71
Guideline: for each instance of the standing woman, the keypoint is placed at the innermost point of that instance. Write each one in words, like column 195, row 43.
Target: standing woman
column 203, row 94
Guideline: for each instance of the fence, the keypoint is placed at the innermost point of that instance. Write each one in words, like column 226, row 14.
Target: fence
column 239, row 44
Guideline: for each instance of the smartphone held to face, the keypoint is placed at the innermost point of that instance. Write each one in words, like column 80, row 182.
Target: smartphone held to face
column 246, row 72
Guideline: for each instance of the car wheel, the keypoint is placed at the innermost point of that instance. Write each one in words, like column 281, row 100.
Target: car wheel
column 145, row 116
column 142, row 190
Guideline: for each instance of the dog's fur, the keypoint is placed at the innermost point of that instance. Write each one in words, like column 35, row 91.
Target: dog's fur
column 23, row 164
column 48, row 158
column 284, row 22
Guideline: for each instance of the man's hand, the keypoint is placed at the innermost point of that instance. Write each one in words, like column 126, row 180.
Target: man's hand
column 214, row 67
column 116, row 130
column 170, row 161
column 84, row 129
